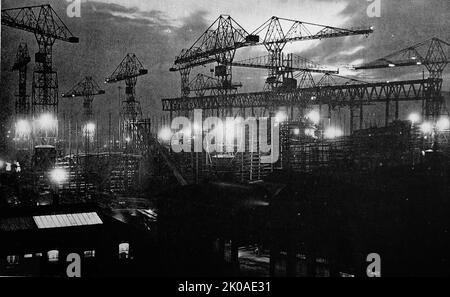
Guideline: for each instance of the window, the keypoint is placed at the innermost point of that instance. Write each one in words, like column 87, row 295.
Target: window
column 12, row 259
column 53, row 256
column 124, row 250
column 27, row 256
column 89, row 254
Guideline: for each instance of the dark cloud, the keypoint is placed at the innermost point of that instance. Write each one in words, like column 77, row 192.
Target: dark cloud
column 402, row 24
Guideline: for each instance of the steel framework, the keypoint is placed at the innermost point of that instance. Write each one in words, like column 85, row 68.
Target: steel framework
column 275, row 39
column 291, row 62
column 22, row 103
column 221, row 40
column 129, row 70
column 88, row 89
column 334, row 95
column 429, row 53
column 47, row 27
column 217, row 44
column 202, row 84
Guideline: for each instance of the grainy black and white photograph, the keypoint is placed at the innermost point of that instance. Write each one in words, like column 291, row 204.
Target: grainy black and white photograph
column 233, row 142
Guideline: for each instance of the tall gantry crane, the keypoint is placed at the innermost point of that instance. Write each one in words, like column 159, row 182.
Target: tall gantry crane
column 47, row 27
column 290, row 63
column 217, row 44
column 221, row 40
column 88, row 89
column 129, row 70
column 22, row 105
column 432, row 54
column 275, row 40
column 202, row 84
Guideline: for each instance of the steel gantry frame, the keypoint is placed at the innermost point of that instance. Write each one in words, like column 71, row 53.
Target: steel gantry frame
column 88, row 89
column 221, row 40
column 47, row 27
column 275, row 40
column 352, row 94
column 129, row 70
column 217, row 44
column 432, row 55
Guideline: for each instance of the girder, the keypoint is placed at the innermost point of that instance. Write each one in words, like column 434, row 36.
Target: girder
column 334, row 95
column 86, row 88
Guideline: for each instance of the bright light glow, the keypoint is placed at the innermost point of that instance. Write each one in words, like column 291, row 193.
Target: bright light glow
column 443, row 124
column 426, row 127
column 89, row 128
column 296, row 131
column 53, row 256
column 58, row 175
column 310, row 132
column 127, row 139
column 391, row 65
column 414, row 118
column 165, row 134
column 2, row 163
column 124, row 250
column 314, row 116
column 333, row 132
column 23, row 128
column 47, row 121
column 280, row 117
column 419, row 63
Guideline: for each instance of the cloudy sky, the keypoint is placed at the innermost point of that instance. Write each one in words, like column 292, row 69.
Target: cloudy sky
column 156, row 30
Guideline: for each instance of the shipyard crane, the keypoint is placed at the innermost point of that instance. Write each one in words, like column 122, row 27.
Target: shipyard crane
column 290, row 63
column 276, row 38
column 47, row 27
column 22, row 104
column 129, row 70
column 217, row 44
column 221, row 40
column 203, row 83
column 88, row 89
column 432, row 54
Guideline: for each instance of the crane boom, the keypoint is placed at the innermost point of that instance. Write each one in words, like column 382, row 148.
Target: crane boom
column 300, row 31
column 47, row 27
column 129, row 68
column 292, row 63
column 429, row 53
column 40, row 20
column 226, row 35
column 86, row 87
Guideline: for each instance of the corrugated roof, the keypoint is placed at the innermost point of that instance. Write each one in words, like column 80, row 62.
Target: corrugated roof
column 49, row 221
column 67, row 220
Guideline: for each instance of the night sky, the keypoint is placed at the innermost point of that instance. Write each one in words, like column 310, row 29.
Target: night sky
column 156, row 31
